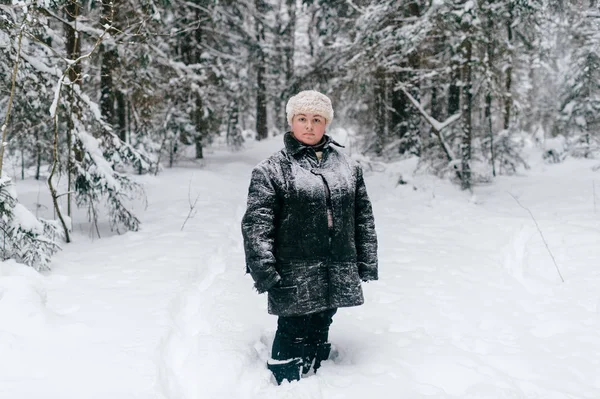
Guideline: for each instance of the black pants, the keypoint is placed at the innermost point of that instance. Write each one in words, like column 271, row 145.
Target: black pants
column 295, row 332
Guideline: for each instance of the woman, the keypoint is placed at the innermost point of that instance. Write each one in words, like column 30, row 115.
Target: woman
column 309, row 236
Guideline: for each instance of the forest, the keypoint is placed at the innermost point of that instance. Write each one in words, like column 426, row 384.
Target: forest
column 93, row 93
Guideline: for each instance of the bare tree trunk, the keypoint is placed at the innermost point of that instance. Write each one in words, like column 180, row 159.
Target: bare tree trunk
column 488, row 117
column 199, row 148
column 172, row 151
column 508, row 101
column 399, row 105
column 402, row 116
column 380, row 111
column 435, row 103
column 454, row 93
column 107, row 89
column 38, row 155
column 121, row 115
column 108, row 68
column 22, row 164
column 74, row 51
column 261, row 89
column 200, row 126
column 51, row 185
column 234, row 137
column 288, row 51
column 466, row 116
column 488, row 96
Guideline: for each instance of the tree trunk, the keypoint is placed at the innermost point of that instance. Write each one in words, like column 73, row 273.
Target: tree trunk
column 466, row 118
column 399, row 103
column 234, row 139
column 110, row 62
column 22, row 163
column 200, row 126
column 454, row 93
column 402, row 114
column 381, row 129
column 488, row 96
column 107, row 93
column 290, row 33
column 435, row 106
column 74, row 52
column 38, row 155
column 508, row 101
column 199, row 148
column 121, row 115
column 261, row 88
column 288, row 51
column 488, row 117
column 261, row 101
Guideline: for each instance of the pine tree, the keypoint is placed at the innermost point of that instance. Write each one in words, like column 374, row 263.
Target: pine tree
column 580, row 100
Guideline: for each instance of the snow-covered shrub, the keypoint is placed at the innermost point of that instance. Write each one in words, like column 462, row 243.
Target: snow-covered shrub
column 25, row 238
column 584, row 145
column 96, row 180
column 508, row 149
column 555, row 149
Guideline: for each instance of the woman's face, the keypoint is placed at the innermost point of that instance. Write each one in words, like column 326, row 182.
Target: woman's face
column 308, row 128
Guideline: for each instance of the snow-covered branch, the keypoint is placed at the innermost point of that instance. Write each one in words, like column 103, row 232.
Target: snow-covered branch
column 4, row 127
column 351, row 4
column 436, row 126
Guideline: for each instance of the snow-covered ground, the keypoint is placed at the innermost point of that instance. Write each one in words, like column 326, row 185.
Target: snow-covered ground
column 469, row 303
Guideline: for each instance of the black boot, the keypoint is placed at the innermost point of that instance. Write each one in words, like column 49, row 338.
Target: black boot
column 308, row 357
column 285, row 369
column 286, row 357
column 319, row 335
column 321, row 354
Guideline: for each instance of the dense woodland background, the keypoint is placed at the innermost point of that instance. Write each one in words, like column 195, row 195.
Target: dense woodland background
column 92, row 92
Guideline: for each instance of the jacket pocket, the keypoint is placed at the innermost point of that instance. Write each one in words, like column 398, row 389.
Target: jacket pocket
column 345, row 286
column 282, row 299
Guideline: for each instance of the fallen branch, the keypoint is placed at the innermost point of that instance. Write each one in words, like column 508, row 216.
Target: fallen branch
column 191, row 213
column 542, row 235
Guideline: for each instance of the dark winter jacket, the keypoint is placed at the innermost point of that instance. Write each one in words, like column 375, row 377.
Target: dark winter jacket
column 291, row 252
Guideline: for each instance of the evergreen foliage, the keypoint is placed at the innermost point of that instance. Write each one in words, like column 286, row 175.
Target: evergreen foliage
column 25, row 238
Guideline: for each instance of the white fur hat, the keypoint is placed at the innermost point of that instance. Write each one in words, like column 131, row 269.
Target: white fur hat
column 309, row 102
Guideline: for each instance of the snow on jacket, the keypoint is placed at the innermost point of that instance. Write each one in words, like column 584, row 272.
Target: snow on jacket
column 305, row 265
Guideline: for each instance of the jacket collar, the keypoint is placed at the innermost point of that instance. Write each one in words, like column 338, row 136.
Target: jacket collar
column 294, row 146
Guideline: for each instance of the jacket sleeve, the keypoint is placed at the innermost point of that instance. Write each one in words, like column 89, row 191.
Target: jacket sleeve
column 366, row 238
column 258, row 230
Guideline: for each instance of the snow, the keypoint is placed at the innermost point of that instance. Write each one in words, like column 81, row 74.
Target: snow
column 102, row 167
column 56, row 96
column 556, row 144
column 469, row 303
column 28, row 222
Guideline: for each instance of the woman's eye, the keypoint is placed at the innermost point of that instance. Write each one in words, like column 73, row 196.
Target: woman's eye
column 317, row 121
column 301, row 119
